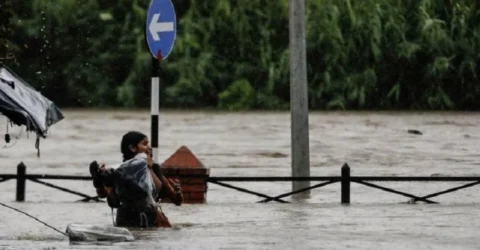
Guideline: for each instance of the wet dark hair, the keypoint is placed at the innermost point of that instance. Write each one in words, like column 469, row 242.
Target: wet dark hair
column 132, row 138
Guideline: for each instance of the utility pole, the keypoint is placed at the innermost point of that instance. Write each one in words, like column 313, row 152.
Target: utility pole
column 299, row 97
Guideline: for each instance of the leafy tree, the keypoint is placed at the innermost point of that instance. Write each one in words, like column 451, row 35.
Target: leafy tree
column 230, row 54
column 6, row 46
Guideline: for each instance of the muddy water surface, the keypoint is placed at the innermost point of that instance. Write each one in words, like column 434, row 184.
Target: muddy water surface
column 258, row 144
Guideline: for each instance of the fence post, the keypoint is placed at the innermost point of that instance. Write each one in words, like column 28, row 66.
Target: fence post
column 345, row 184
column 21, row 178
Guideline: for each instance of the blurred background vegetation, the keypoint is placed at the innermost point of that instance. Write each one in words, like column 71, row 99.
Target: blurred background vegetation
column 233, row 54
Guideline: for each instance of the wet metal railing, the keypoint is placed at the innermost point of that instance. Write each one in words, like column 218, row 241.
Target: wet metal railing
column 345, row 180
column 22, row 177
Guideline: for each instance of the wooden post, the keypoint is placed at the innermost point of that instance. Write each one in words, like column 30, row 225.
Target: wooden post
column 345, row 184
column 21, row 178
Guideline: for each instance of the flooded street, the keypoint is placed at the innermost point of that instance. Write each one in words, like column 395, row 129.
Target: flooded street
column 258, row 144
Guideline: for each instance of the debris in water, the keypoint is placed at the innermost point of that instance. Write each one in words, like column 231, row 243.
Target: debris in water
column 415, row 132
column 272, row 154
column 83, row 232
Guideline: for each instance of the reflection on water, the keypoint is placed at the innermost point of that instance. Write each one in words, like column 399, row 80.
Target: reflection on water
column 258, row 144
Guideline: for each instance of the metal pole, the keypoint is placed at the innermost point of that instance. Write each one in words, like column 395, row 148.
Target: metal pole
column 345, row 184
column 21, row 178
column 155, row 106
column 299, row 97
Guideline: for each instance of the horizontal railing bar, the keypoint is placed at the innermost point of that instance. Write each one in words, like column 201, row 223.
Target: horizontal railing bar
column 352, row 178
column 58, row 177
column 46, row 176
column 274, row 178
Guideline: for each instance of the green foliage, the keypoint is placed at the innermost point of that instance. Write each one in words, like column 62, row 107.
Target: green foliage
column 233, row 54
column 240, row 95
column 6, row 46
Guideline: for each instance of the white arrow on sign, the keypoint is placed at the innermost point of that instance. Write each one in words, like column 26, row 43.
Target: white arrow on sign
column 155, row 27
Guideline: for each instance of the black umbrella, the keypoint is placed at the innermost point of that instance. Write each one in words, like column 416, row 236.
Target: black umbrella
column 23, row 105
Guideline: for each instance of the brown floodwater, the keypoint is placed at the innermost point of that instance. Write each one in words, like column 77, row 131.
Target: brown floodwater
column 258, row 144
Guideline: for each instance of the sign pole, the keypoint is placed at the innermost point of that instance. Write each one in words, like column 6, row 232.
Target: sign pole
column 155, row 108
column 160, row 34
column 299, row 97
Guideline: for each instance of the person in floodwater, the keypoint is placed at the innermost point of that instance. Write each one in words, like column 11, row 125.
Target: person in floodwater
column 125, row 191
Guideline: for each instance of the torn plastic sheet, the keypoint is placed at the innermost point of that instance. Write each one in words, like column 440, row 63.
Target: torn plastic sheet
column 23, row 105
column 135, row 183
column 86, row 232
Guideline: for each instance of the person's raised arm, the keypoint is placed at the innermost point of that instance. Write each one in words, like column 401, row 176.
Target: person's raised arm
column 156, row 180
column 164, row 185
column 170, row 188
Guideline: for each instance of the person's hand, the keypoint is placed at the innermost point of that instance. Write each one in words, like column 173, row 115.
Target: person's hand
column 149, row 161
column 149, row 157
column 177, row 196
column 160, row 219
column 176, row 185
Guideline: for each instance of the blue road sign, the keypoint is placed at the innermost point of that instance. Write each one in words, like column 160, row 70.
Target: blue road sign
column 161, row 28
